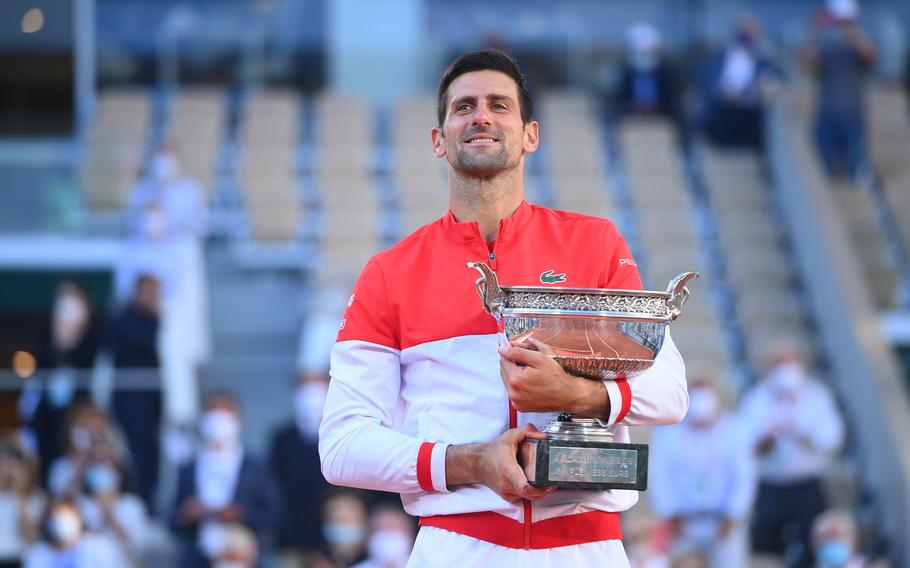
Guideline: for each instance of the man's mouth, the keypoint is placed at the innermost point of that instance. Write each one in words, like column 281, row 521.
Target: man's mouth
column 481, row 140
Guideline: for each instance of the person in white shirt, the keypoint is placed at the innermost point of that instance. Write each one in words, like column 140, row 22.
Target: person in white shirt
column 796, row 429
column 21, row 504
column 107, row 510
column 702, row 480
column 66, row 544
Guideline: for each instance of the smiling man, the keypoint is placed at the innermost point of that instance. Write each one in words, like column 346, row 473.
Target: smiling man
column 421, row 403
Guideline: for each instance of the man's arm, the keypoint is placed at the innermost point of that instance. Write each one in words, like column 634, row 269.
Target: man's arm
column 536, row 383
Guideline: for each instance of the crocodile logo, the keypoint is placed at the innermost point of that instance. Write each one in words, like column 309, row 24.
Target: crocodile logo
column 549, row 278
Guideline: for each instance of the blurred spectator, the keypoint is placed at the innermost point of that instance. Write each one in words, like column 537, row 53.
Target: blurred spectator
column 321, row 328
column 391, row 538
column 796, row 429
column 90, row 440
column 167, row 224
column 344, row 526
column 221, row 487
column 703, row 480
column 21, row 503
column 694, row 560
column 647, row 83
column 835, row 540
column 295, row 463
column 178, row 196
column 739, row 82
column 108, row 510
column 65, row 544
column 237, row 548
column 645, row 542
column 840, row 54
column 133, row 343
column 71, row 347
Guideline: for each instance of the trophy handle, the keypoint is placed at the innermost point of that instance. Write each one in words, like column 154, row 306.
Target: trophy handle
column 679, row 293
column 492, row 296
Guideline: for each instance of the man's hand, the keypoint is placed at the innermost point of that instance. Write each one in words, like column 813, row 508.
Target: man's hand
column 495, row 464
column 192, row 511
column 537, row 383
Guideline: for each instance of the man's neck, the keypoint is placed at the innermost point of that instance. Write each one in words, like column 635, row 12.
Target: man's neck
column 485, row 200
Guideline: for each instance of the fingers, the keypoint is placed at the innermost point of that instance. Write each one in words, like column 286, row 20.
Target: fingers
column 521, row 356
column 533, row 344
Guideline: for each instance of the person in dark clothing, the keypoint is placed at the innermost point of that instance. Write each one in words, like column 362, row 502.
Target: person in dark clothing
column 840, row 54
column 136, row 404
column 647, row 85
column 295, row 462
column 737, row 83
column 221, row 487
column 69, row 349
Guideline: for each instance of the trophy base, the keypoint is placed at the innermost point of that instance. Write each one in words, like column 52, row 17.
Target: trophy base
column 575, row 464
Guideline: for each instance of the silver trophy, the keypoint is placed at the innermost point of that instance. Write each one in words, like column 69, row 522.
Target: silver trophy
column 593, row 333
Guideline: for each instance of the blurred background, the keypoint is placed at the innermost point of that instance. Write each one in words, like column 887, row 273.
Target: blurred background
column 189, row 188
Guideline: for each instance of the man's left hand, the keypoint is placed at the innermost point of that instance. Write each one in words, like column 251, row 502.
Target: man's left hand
column 535, row 382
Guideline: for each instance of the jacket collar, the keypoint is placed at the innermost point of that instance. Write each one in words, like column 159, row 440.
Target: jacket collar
column 470, row 231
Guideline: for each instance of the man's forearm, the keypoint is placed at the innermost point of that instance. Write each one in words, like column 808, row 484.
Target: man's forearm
column 591, row 400
column 461, row 464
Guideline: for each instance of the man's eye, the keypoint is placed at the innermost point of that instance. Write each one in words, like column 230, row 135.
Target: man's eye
column 500, row 106
column 463, row 107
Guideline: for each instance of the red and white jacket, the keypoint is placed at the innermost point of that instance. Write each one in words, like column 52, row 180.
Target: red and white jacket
column 415, row 366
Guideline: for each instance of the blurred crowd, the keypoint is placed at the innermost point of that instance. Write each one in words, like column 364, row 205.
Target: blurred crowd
column 734, row 84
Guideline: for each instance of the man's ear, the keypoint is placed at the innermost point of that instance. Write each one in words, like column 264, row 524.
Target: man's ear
column 531, row 137
column 439, row 143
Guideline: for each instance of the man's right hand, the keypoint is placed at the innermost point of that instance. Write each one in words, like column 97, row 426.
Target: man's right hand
column 495, row 464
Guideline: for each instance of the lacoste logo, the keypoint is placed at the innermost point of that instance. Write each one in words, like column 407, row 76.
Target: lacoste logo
column 549, row 278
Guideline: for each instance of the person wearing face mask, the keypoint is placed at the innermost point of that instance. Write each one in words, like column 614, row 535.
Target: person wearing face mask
column 90, row 438
column 108, row 510
column 648, row 84
column 796, row 429
column 391, row 538
column 69, row 351
column 737, row 84
column 295, row 463
column 702, row 480
column 344, row 527
column 67, row 544
column 21, row 503
column 223, row 485
column 835, row 540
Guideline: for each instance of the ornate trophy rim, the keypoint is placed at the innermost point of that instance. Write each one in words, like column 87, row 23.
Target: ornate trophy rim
column 608, row 303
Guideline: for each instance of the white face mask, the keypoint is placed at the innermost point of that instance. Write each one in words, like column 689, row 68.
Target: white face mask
column 164, row 167
column 308, row 402
column 703, row 404
column 69, row 309
column 787, row 378
column 220, row 428
column 65, row 527
column 389, row 548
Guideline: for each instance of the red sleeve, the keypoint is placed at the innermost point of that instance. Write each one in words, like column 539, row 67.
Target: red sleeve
column 620, row 271
column 368, row 316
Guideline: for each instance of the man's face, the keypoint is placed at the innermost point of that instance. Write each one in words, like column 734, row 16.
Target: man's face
column 483, row 134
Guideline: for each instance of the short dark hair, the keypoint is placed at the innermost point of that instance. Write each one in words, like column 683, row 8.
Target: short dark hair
column 486, row 60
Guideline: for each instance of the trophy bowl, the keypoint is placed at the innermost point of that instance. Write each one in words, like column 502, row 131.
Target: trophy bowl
column 593, row 333
column 598, row 334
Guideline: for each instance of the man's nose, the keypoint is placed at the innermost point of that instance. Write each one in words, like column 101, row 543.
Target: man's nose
column 481, row 116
